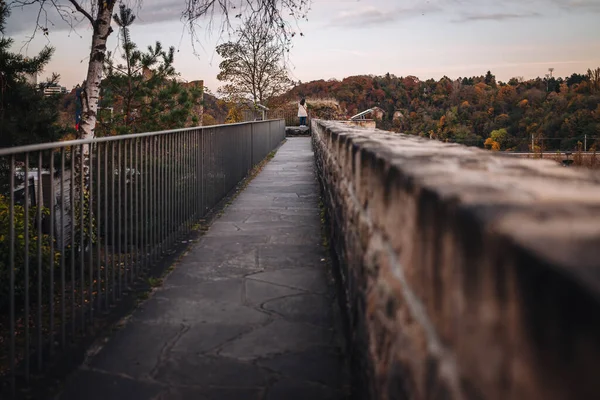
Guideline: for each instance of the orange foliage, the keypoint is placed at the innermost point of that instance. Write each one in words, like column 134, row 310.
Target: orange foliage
column 491, row 144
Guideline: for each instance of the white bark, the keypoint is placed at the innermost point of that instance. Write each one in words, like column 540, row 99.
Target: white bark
column 91, row 87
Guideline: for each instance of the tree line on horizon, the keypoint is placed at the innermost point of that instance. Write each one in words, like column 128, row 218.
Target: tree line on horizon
column 557, row 113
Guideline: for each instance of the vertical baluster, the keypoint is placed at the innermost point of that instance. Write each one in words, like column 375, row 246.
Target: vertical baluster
column 202, row 173
column 52, row 249
column 119, row 178
column 26, row 267
column 11, row 230
column 98, row 228
column 196, row 176
column 125, row 214
column 113, row 232
column 181, row 189
column 63, row 291
column 158, row 194
column 90, row 179
column 73, row 244
column 106, row 228
column 165, row 191
column 131, row 210
column 39, row 263
column 138, row 178
column 82, row 235
column 145, row 195
column 154, row 199
column 188, row 183
column 171, row 180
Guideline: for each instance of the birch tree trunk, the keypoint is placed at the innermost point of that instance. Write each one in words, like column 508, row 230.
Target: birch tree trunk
column 91, row 87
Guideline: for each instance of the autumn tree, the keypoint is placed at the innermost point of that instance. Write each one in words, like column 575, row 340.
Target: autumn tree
column 594, row 79
column 234, row 115
column 252, row 66
column 272, row 14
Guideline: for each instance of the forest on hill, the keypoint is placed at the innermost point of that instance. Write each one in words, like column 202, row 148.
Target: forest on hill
column 557, row 113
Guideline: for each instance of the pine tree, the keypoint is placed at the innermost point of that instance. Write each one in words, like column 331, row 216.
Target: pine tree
column 143, row 89
column 26, row 116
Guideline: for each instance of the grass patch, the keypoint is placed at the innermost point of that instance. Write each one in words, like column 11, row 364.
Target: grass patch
column 155, row 282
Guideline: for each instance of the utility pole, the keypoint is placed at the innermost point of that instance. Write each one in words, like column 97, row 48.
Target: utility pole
column 585, row 143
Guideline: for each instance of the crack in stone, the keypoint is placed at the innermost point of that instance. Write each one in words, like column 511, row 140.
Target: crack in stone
column 275, row 284
column 166, row 349
column 220, row 346
column 285, row 286
column 147, row 379
column 287, row 319
column 285, row 297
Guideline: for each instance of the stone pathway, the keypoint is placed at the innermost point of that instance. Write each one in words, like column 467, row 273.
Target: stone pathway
column 249, row 313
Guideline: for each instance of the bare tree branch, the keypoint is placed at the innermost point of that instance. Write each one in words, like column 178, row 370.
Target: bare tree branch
column 82, row 11
column 252, row 65
column 272, row 14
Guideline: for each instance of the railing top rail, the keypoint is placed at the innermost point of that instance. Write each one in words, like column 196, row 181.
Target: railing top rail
column 7, row 151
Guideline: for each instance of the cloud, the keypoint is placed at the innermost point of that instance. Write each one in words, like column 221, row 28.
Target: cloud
column 369, row 16
column 496, row 16
column 578, row 5
column 23, row 18
column 379, row 13
column 154, row 11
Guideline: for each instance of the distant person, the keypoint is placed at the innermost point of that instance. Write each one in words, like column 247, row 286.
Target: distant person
column 302, row 113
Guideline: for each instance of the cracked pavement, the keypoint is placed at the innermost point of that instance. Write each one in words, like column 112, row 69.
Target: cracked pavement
column 249, row 312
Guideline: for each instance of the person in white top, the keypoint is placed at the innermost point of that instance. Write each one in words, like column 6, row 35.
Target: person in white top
column 302, row 113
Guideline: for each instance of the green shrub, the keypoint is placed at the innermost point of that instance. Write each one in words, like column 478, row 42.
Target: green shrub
column 19, row 253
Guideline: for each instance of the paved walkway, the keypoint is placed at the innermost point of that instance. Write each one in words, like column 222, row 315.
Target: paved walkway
column 249, row 312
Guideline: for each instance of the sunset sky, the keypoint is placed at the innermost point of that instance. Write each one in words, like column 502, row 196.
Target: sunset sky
column 428, row 39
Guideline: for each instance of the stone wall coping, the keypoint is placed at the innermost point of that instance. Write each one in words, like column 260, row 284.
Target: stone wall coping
column 550, row 210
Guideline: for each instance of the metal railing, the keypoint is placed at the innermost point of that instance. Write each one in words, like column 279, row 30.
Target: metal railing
column 81, row 221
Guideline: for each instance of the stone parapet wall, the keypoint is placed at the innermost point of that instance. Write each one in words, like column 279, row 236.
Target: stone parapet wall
column 466, row 275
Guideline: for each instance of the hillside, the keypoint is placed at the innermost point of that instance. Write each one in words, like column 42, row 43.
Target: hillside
column 215, row 109
column 557, row 112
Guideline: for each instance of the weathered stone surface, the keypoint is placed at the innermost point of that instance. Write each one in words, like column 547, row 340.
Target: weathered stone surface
column 241, row 317
column 212, row 393
column 290, row 389
column 317, row 365
column 310, row 280
column 278, row 337
column 468, row 275
column 92, row 385
column 308, row 308
column 258, row 292
column 196, row 370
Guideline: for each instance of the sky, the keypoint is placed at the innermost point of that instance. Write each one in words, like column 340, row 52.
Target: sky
column 425, row 38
